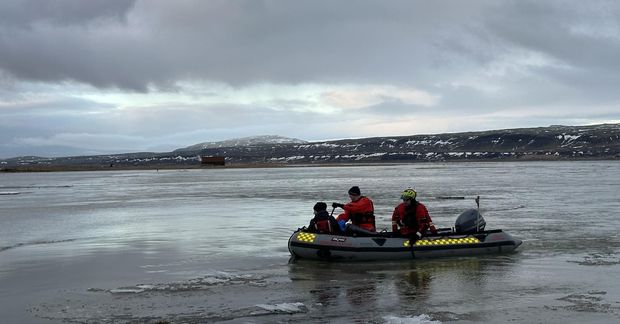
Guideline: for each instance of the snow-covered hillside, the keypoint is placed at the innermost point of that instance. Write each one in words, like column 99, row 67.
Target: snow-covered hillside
column 542, row 143
column 244, row 141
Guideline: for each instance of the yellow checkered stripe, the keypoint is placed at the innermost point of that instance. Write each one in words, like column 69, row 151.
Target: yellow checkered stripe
column 444, row 241
column 306, row 237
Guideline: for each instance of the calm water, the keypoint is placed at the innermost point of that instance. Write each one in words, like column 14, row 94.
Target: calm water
column 210, row 245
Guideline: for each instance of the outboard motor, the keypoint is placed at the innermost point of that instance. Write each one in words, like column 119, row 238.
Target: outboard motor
column 469, row 222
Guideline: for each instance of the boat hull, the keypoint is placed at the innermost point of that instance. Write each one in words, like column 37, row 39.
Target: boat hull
column 306, row 245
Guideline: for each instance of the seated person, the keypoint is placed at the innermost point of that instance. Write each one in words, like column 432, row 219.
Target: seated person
column 323, row 222
column 411, row 216
column 360, row 211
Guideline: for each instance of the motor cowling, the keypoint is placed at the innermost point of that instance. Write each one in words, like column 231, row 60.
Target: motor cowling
column 470, row 221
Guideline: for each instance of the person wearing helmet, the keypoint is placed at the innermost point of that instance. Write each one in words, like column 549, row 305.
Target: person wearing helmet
column 323, row 222
column 411, row 217
column 360, row 211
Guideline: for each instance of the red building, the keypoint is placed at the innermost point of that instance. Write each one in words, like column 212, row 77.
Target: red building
column 212, row 160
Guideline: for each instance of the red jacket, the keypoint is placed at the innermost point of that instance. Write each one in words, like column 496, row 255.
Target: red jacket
column 422, row 222
column 324, row 223
column 360, row 212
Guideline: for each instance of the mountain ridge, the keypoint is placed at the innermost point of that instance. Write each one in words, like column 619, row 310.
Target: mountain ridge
column 243, row 141
column 537, row 143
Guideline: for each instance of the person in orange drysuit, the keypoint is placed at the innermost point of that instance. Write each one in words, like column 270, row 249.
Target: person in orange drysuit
column 360, row 210
column 411, row 217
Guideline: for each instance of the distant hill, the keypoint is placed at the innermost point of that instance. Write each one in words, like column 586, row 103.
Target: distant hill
column 244, row 141
column 541, row 143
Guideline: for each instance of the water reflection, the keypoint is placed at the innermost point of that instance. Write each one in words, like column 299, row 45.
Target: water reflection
column 415, row 284
column 362, row 294
column 412, row 287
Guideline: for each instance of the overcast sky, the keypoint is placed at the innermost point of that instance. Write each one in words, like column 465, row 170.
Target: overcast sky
column 84, row 77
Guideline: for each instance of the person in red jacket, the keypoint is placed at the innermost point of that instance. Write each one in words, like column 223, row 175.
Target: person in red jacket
column 323, row 222
column 411, row 216
column 360, row 210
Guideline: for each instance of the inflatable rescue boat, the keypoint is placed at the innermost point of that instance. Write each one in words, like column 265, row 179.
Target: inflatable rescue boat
column 468, row 237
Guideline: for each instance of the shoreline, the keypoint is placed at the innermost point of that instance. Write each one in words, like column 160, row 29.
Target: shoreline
column 75, row 168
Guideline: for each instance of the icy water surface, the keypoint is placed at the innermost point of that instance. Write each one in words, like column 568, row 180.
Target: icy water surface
column 209, row 245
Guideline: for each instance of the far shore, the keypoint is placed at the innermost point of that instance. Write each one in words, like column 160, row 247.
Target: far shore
column 64, row 168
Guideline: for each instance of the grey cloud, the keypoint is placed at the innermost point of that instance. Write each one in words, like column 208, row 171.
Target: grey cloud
column 552, row 28
column 447, row 48
column 243, row 42
column 238, row 42
column 91, row 57
column 25, row 13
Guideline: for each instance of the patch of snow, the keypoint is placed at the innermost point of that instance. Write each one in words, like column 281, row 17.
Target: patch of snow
column 358, row 157
column 296, row 157
column 126, row 291
column 288, row 308
column 442, row 142
column 420, row 319
column 567, row 139
column 307, row 146
column 413, row 143
column 390, row 145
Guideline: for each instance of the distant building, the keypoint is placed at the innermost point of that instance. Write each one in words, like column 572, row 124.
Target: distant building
column 212, row 160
